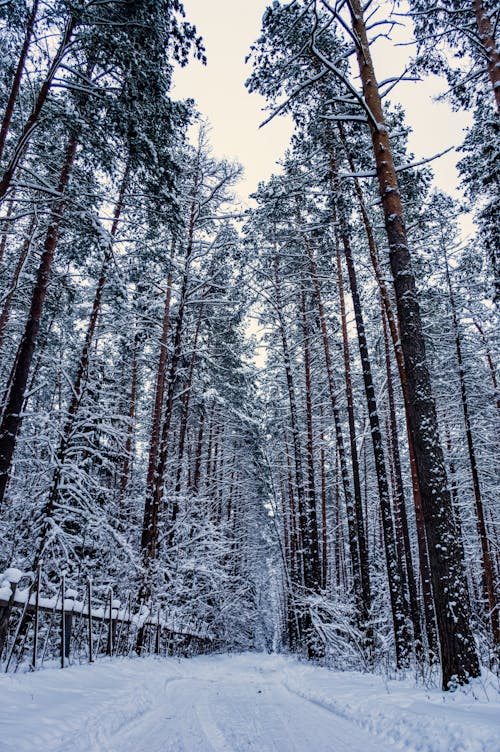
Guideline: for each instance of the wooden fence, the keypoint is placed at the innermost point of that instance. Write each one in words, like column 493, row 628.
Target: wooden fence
column 35, row 629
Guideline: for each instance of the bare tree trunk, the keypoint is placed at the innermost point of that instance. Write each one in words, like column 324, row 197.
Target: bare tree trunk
column 35, row 113
column 185, row 415
column 154, row 495
column 394, row 566
column 487, row 37
column 399, row 500
column 5, row 314
column 198, row 455
column 11, row 420
column 18, row 74
column 359, row 570
column 6, row 224
column 459, row 658
column 80, row 377
column 160, row 384
column 311, row 483
column 324, row 529
column 490, row 587
column 129, row 443
column 309, row 558
column 297, row 568
column 424, row 565
column 490, row 363
column 360, row 523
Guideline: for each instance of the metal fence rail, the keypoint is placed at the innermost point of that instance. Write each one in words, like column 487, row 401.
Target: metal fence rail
column 35, row 628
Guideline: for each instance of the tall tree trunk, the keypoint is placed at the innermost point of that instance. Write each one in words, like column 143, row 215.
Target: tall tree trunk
column 486, row 34
column 491, row 366
column 394, row 566
column 18, row 74
column 160, row 386
column 129, row 443
column 490, row 587
column 5, row 314
column 198, row 454
column 311, row 482
column 11, row 420
column 154, row 493
column 324, row 528
column 185, row 416
column 35, row 113
column 423, row 554
column 459, row 659
column 297, row 569
column 399, row 499
column 80, row 377
column 360, row 522
column 359, row 568
column 309, row 542
column 6, row 225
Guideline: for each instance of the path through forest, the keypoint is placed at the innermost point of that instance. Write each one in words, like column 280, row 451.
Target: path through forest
column 250, row 702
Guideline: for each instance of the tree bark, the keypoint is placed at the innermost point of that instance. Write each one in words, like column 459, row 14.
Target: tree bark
column 399, row 500
column 160, row 384
column 423, row 554
column 35, row 113
column 12, row 418
column 360, row 521
column 394, row 566
column 309, row 545
column 459, row 659
column 490, row 587
column 311, row 482
column 80, row 376
column 359, row 569
column 16, row 81
column 490, row 48
column 129, row 443
column 5, row 314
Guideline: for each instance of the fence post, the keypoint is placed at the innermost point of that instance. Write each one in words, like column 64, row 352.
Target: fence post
column 68, row 621
column 109, row 646
column 35, row 621
column 63, row 621
column 9, row 579
column 157, row 637
column 129, row 624
column 89, row 598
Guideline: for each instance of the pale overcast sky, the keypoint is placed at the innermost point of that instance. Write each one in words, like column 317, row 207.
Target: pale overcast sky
column 229, row 27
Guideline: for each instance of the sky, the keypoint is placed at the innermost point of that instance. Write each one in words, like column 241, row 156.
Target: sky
column 228, row 28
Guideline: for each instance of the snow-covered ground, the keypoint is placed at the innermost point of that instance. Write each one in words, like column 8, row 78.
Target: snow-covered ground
column 251, row 702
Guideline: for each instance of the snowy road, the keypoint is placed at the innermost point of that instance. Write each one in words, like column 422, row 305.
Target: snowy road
column 255, row 703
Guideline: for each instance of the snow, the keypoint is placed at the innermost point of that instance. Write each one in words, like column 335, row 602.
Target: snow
column 12, row 574
column 252, row 702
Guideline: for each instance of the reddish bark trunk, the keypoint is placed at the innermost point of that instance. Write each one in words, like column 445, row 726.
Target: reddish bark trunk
column 5, row 314
column 424, row 565
column 34, row 115
column 399, row 500
column 12, row 417
column 311, row 482
column 80, row 375
column 459, row 658
column 394, row 566
column 361, row 584
column 490, row 587
column 18, row 74
column 487, row 37
column 129, row 443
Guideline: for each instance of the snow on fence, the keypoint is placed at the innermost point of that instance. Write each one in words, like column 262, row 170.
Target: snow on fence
column 35, row 628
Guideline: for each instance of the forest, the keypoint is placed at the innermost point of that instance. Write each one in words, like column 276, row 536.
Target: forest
column 335, row 498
